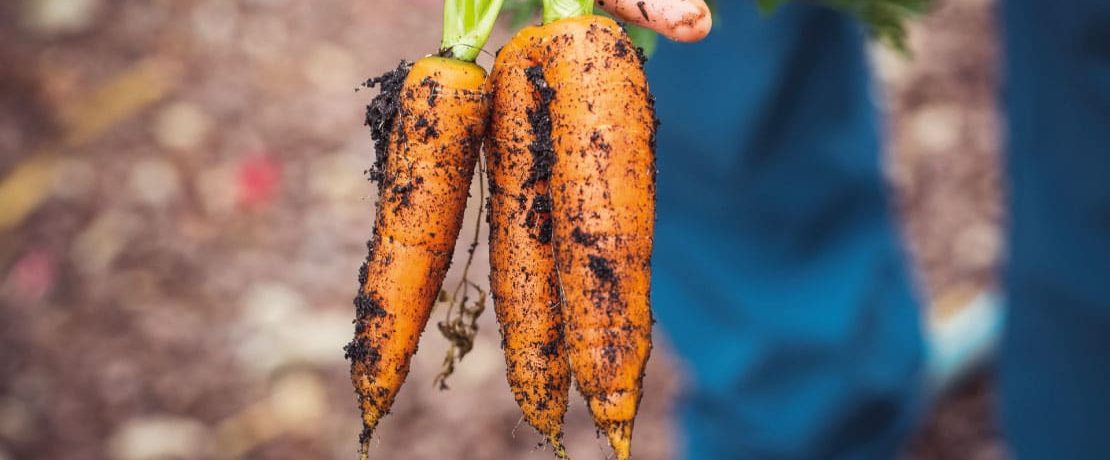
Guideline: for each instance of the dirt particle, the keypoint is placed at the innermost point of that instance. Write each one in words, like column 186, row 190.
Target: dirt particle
column 403, row 195
column 541, row 148
column 643, row 11
column 610, row 354
column 364, row 436
column 620, row 49
column 551, row 348
column 368, row 305
column 521, row 201
column 430, row 130
column 581, row 237
column 541, row 204
column 359, row 351
column 489, row 206
column 642, row 56
column 602, row 268
column 545, row 232
column 363, row 272
column 433, row 90
column 382, row 111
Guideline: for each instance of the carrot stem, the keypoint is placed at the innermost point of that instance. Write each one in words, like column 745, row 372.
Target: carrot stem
column 467, row 25
column 554, row 10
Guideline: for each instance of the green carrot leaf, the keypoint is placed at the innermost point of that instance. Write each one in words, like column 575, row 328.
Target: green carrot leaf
column 467, row 25
column 769, row 6
column 554, row 10
column 643, row 38
column 885, row 20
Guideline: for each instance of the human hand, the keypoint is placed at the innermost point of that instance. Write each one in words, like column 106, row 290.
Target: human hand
column 679, row 20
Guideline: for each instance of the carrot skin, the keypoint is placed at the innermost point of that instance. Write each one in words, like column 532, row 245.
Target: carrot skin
column 522, row 263
column 424, row 177
column 603, row 194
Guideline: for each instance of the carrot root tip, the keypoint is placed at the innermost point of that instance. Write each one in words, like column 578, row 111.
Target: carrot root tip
column 620, row 437
column 556, row 442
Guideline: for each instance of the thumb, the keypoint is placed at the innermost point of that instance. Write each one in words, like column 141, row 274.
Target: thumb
column 679, row 20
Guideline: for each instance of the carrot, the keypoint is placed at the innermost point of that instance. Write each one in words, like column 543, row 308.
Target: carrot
column 522, row 263
column 423, row 181
column 427, row 124
column 602, row 188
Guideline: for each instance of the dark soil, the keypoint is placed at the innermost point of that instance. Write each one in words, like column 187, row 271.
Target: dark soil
column 382, row 111
column 542, row 149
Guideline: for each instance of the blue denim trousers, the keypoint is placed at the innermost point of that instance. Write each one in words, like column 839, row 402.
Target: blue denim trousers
column 780, row 276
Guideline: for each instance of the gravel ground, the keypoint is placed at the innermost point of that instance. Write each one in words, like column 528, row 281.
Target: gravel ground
column 184, row 210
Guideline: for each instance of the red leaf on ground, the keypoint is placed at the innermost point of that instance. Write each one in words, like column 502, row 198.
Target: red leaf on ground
column 259, row 180
column 32, row 276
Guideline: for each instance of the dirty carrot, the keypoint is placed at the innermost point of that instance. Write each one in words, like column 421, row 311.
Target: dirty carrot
column 427, row 124
column 602, row 189
column 519, row 156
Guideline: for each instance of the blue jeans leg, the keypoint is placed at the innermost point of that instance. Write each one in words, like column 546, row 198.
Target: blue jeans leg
column 1055, row 370
column 778, row 270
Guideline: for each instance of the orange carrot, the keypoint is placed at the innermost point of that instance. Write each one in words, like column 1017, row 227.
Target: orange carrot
column 522, row 265
column 602, row 186
column 603, row 191
column 428, row 128
column 427, row 124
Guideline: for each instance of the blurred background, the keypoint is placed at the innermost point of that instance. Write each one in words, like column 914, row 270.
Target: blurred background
column 183, row 209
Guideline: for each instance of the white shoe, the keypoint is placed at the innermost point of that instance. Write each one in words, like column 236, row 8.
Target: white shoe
column 961, row 336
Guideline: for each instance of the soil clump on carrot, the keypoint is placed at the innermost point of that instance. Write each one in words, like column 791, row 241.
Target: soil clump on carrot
column 381, row 114
column 542, row 149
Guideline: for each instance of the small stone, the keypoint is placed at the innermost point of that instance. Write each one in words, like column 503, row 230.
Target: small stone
column 182, row 126
column 56, row 17
column 154, row 181
column 318, row 337
column 268, row 304
column 277, row 329
column 260, row 353
column 937, row 128
column 298, row 401
column 158, row 437
column 263, row 334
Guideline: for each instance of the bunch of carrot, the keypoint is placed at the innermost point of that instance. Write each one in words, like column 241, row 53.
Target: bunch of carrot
column 568, row 126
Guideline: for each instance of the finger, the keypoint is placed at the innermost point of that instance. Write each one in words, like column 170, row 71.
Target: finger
column 679, row 20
